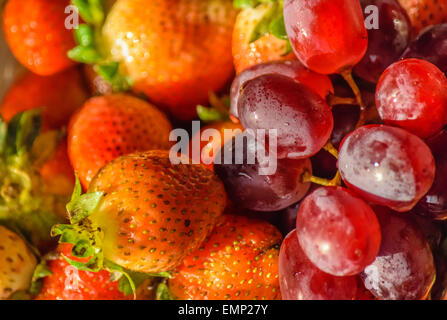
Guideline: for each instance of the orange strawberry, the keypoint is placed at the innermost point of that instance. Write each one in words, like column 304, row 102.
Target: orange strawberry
column 266, row 48
column 62, row 281
column 57, row 173
column 59, row 95
column 36, row 33
column 209, row 149
column 112, row 125
column 174, row 51
column 424, row 13
column 143, row 213
column 239, row 260
column 17, row 264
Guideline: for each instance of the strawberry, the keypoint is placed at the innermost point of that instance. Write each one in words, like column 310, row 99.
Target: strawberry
column 36, row 33
column 26, row 201
column 249, row 51
column 17, row 264
column 59, row 95
column 143, row 213
column 209, row 149
column 424, row 13
column 62, row 281
column 239, row 260
column 112, row 125
column 57, row 173
column 173, row 51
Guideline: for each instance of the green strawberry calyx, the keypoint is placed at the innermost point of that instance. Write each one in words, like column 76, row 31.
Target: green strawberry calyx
column 87, row 240
column 25, row 206
column 219, row 109
column 271, row 21
column 89, row 47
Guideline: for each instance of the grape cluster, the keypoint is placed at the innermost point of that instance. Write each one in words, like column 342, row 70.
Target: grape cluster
column 360, row 182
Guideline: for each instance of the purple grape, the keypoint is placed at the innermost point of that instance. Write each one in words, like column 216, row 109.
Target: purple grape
column 434, row 204
column 404, row 268
column 321, row 84
column 247, row 188
column 430, row 45
column 385, row 44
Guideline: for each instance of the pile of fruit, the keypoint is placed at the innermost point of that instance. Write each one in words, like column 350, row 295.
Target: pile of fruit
column 333, row 112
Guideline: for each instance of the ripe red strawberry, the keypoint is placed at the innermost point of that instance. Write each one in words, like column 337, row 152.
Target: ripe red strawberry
column 424, row 13
column 143, row 213
column 265, row 49
column 112, row 125
column 174, row 51
column 239, row 260
column 36, row 33
column 17, row 264
column 68, row 283
column 59, row 95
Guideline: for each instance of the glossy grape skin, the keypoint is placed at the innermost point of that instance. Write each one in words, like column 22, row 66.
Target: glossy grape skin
column 387, row 43
column 299, row 279
column 338, row 231
column 404, row 268
column 327, row 36
column 430, row 45
column 303, row 120
column 321, row 84
column 430, row 229
column 248, row 189
column 386, row 166
column 412, row 94
column 434, row 204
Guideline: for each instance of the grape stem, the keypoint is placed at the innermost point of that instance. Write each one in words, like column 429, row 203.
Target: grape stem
column 308, row 177
column 347, row 75
column 333, row 100
column 329, row 147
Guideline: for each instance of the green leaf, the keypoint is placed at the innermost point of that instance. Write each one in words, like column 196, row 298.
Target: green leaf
column 88, row 55
column 108, row 71
column 243, row 4
column 91, row 11
column 83, row 206
column 84, row 35
column 278, row 28
column 23, row 130
column 3, row 134
column 210, row 114
column 163, row 292
column 40, row 272
column 93, row 265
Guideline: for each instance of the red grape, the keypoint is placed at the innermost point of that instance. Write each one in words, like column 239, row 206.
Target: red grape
column 327, row 36
column 385, row 44
column 387, row 166
column 299, row 279
column 321, row 84
column 430, row 45
column 303, row 120
column 248, row 189
column 404, row 268
column 434, row 204
column 338, row 231
column 412, row 94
